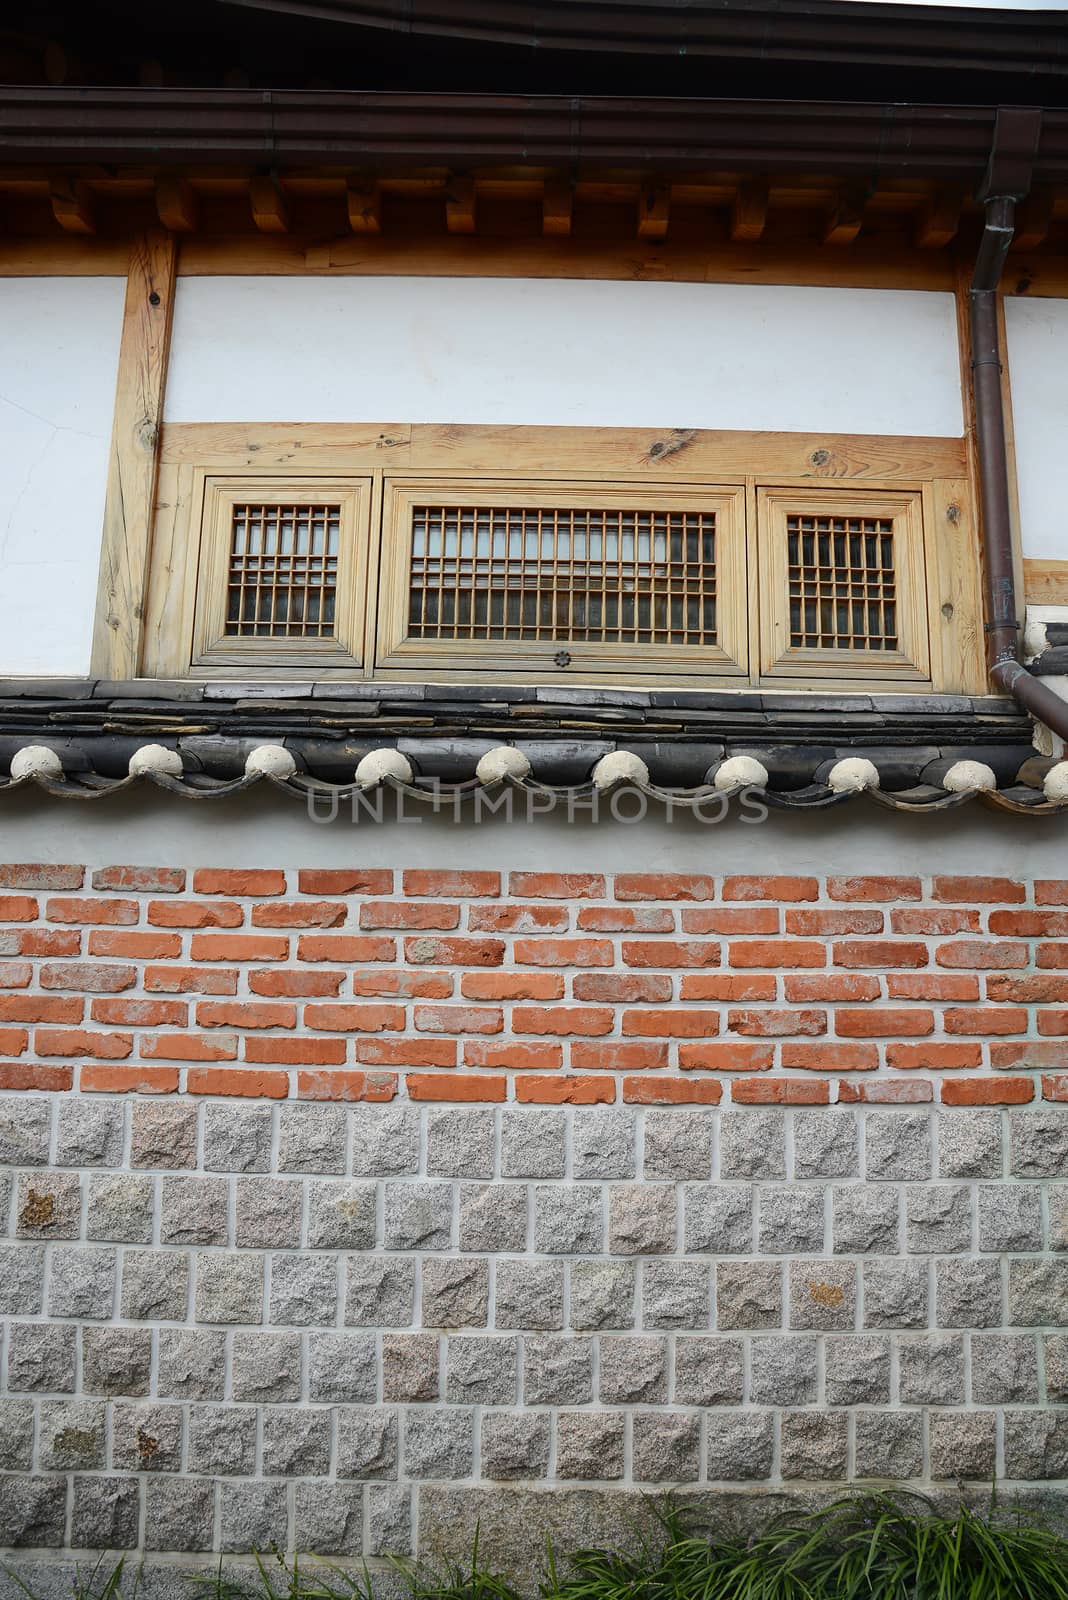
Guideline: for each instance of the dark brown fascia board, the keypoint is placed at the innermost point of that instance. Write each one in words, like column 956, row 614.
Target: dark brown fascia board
column 286, row 129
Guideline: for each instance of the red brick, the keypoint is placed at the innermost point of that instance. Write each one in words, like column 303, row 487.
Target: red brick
column 934, row 921
column 967, row 891
column 343, row 1018
column 128, row 1080
column 883, row 1022
column 830, row 1055
column 1030, row 924
column 189, row 1047
column 195, row 914
column 626, row 919
column 58, row 942
column 239, row 947
column 780, row 1092
column 1055, row 1086
column 403, row 985
column 87, row 977
column 903, row 1092
column 345, row 880
column 1037, row 988
column 775, row 1023
column 801, row 987
column 300, row 914
column 671, row 1091
column 564, row 952
column 931, row 1056
column 984, row 1019
column 15, row 974
column 277, row 985
column 1047, row 956
column 519, row 919
column 557, row 885
column 134, row 946
column 371, row 1086
column 245, row 1014
column 670, row 1024
column 730, row 1056
column 670, row 953
column 432, row 882
column 513, row 1054
column 628, row 989
column 456, row 1086
column 931, row 986
column 982, row 954
column 880, row 953
column 1048, row 891
column 403, row 914
column 512, row 986
column 43, row 877
column 375, row 1052
column 610, row 1056
column 227, row 880
column 664, row 886
column 564, row 1091
column 588, row 1021
column 303, row 1052
column 464, row 1019
column 191, row 980
column 80, row 1042
column 140, row 1013
column 731, row 920
column 237, row 1081
column 878, row 888
column 759, row 887
column 104, row 913
column 777, row 953
column 135, row 880
column 426, row 949
column 348, row 947
column 987, row 1091
column 832, row 924
column 728, row 986
column 39, row 1008
column 1053, row 1024
column 13, row 1042
column 20, row 908
column 1028, row 1055
column 31, row 1075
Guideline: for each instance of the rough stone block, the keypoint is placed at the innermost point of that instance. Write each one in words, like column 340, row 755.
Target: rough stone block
column 783, row 1371
column 530, row 1294
column 253, row 1516
column 557, row 1372
column 48, row 1205
column 389, row 1520
column 857, row 1370
column 418, row 1216
column 304, row 1290
column 41, row 1357
column 968, row 1293
column 568, row 1219
column 343, row 1366
column 312, row 1138
column 265, row 1366
column 667, row 1447
column 866, row 1219
column 602, row 1294
column 1038, row 1143
column 410, row 1366
column 1036, row 1444
column 163, row 1134
column 81, row 1282
column 341, row 1216
column 963, row 1445
column 1057, row 1200
column 482, row 1371
column 120, row 1208
column 16, row 1435
column 179, row 1514
column 25, row 1132
column 889, row 1444
column 194, row 1211
column 825, row 1143
column 366, row 1443
column 1038, row 1293
column 709, row 1372
column 1056, row 1350
column 589, row 1444
column 455, row 1292
column 602, row 1143
column 222, row 1440
column 748, row 1295
column 385, row 1141
column 33, row 1512
column 438, row 1442
column 823, row 1294
column 329, row 1518
column 678, row 1144
column 752, row 1144
column 237, row 1138
column 895, row 1294
column 106, row 1513
column 633, row 1370
column 192, row 1363
column 739, row 1445
column 146, row 1438
column 931, row 1370
column 532, row 1143
column 791, row 1220
column 642, row 1219
column 814, row 1444
column 71, row 1435
column 22, row 1270
column 1004, row 1369
column 379, row 1292
column 296, row 1443
column 268, row 1213
column 89, row 1133
column 229, row 1288
column 719, row 1218
column 938, row 1218
column 897, row 1145
column 969, row 1144
column 676, row 1294
column 515, row 1444
column 459, row 1143
column 493, row 1216
column 116, row 1360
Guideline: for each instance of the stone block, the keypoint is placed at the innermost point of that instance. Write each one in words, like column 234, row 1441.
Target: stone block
column 866, row 1219
column 237, row 1138
column 748, row 1295
column 530, row 1294
column 1004, row 1369
column 179, row 1514
column 931, row 1369
column 106, row 1513
column 482, row 1371
column 389, row 1520
column 304, row 1290
column 455, row 1292
column 341, row 1216
column 379, row 1292
column 568, row 1219
column 709, row 1372
column 253, row 1516
column 752, row 1144
column 1038, row 1293
column 33, row 1512
column 194, row 1211
column 739, row 1446
column 493, row 1216
column 22, row 1270
column 229, row 1288
column 783, row 1371
column 823, row 1294
column 146, row 1438
column 815, row 1444
column 938, row 1218
column 296, row 1443
column 532, row 1143
column 515, row 1444
column 895, row 1294
column 41, row 1357
column 163, row 1134
column 1038, row 1143
column 329, row 1518
column 666, row 1447
column 366, row 1443
column 89, row 1133
column 602, row 1294
column 719, row 1218
column 557, row 1371
column 633, row 1370
column 676, row 1294
column 897, row 1145
column 312, row 1138
column 857, row 1370
column 16, row 1435
column 343, row 1366
column 1057, row 1200
column 71, row 1435
column 968, row 1293
column 791, row 1220
column 1056, row 1354
column 265, row 1366
column 410, row 1366
column 1036, row 1444
column 642, row 1219
column 460, row 1143
column 889, row 1444
column 116, row 1360
column 589, row 1444
column 963, row 1445
column 25, row 1132
column 678, row 1144
column 418, row 1216
column 438, row 1442
column 268, row 1213
column 48, row 1205
column 81, row 1282
column 969, row 1144
column 120, row 1207
column 222, row 1440
column 602, row 1143
column 385, row 1141
column 825, row 1143
column 192, row 1363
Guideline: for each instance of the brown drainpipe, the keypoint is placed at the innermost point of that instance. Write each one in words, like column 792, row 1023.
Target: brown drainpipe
column 1007, row 180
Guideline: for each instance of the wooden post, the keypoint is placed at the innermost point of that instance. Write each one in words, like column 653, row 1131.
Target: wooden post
column 132, row 466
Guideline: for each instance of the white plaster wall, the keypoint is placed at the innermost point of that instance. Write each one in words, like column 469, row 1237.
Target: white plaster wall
column 1037, row 332
column 59, row 346
column 533, row 351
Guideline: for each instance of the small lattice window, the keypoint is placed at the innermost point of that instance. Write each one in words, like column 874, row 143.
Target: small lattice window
column 842, row 582
column 562, row 574
column 282, row 581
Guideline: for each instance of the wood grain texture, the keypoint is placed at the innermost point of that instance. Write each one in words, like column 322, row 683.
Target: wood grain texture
column 1045, row 582
column 133, row 462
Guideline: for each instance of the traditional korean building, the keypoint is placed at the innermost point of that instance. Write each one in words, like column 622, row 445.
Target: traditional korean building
column 533, row 872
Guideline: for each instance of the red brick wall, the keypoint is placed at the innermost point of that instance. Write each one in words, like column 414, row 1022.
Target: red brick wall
column 648, row 988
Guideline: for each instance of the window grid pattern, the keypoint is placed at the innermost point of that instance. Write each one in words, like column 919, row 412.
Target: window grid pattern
column 282, row 576
column 842, row 583
column 572, row 575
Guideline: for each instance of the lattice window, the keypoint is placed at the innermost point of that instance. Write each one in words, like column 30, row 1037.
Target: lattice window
column 563, row 574
column 282, row 580
column 842, row 582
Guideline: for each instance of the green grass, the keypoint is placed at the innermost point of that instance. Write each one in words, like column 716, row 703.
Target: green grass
column 890, row 1546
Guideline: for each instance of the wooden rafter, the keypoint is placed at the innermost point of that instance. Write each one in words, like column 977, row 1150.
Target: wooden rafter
column 847, row 219
column 178, row 205
column 460, row 205
column 556, row 207
column 1033, row 220
column 654, row 209
column 939, row 220
column 72, row 205
column 270, row 212
column 364, row 199
column 749, row 213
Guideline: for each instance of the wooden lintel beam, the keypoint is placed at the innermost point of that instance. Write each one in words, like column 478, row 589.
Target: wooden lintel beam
column 72, row 205
column 270, row 212
column 749, row 213
column 1033, row 220
column 557, row 204
column 847, row 218
column 365, row 205
column 460, row 205
column 177, row 205
column 654, row 208
column 939, row 221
